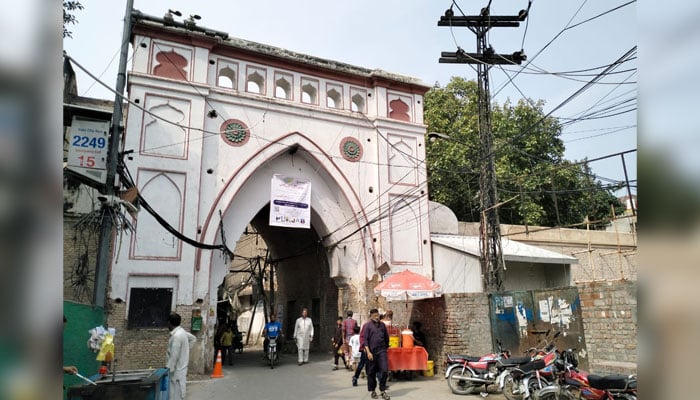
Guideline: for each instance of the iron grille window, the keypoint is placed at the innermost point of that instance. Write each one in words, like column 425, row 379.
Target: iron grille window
column 149, row 307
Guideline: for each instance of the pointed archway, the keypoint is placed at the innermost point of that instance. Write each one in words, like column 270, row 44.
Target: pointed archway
column 313, row 269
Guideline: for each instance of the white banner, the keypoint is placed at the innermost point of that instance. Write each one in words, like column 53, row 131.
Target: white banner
column 290, row 202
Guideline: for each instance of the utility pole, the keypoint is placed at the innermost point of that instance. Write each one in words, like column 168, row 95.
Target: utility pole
column 107, row 226
column 490, row 232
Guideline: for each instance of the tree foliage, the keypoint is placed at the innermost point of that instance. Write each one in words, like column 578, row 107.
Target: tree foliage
column 69, row 8
column 543, row 188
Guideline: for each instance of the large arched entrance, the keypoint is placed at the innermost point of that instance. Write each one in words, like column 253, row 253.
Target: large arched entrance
column 311, row 270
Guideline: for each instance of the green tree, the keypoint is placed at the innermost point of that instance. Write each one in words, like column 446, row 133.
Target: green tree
column 69, row 8
column 529, row 157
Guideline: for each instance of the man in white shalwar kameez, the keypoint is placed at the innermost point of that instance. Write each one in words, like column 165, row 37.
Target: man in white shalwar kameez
column 303, row 335
column 178, row 356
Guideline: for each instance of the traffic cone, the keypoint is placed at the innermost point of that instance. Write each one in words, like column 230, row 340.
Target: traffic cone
column 218, row 372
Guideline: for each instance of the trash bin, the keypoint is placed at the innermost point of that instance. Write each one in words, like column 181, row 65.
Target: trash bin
column 141, row 384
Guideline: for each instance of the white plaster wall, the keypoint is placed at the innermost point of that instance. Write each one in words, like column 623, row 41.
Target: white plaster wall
column 238, row 183
column 457, row 272
column 123, row 266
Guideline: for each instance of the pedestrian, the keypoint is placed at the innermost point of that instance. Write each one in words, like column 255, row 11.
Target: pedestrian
column 388, row 320
column 338, row 343
column 363, row 357
column 303, row 335
column 354, row 343
column 376, row 341
column 227, row 345
column 178, row 356
column 272, row 330
column 349, row 325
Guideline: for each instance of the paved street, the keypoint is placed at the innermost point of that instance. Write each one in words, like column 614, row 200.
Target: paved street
column 251, row 378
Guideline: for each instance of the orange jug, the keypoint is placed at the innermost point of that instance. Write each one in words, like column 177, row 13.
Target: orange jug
column 407, row 338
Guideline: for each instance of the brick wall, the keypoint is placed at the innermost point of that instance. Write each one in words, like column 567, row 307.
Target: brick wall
column 460, row 323
column 609, row 312
column 146, row 348
column 457, row 323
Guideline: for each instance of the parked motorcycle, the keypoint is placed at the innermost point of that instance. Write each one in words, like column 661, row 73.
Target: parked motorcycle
column 595, row 387
column 557, row 389
column 522, row 381
column 466, row 373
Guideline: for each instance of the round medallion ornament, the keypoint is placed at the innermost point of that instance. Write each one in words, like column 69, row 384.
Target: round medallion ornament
column 234, row 132
column 351, row 149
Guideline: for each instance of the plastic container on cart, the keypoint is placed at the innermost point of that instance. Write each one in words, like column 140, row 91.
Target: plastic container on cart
column 393, row 340
column 142, row 384
column 407, row 338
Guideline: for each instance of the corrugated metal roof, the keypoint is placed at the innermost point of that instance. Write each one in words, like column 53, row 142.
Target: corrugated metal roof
column 512, row 250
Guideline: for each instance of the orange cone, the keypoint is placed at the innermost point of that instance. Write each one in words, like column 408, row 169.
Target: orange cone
column 218, row 372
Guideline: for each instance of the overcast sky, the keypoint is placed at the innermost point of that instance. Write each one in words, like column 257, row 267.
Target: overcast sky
column 402, row 36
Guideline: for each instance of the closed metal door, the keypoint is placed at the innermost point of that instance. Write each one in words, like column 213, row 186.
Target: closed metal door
column 529, row 318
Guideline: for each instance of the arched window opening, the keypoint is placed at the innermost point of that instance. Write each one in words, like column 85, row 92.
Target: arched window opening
column 333, row 99
column 226, row 78
column 256, row 83
column 358, row 103
column 283, row 89
column 308, row 94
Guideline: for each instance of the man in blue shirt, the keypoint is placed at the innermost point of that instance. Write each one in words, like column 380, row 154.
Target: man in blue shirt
column 375, row 339
column 272, row 330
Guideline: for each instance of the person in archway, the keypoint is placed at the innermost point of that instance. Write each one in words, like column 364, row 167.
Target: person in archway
column 303, row 335
column 227, row 345
column 349, row 325
column 272, row 330
column 338, row 344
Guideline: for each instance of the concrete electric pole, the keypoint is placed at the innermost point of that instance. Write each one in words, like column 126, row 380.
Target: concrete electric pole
column 111, row 188
column 490, row 233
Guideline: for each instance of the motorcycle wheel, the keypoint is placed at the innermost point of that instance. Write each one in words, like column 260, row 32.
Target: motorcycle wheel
column 625, row 396
column 459, row 386
column 273, row 358
column 562, row 395
column 511, row 389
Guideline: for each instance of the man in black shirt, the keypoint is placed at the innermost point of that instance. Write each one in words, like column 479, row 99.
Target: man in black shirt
column 376, row 341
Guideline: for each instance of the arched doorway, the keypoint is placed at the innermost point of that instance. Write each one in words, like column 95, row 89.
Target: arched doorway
column 311, row 268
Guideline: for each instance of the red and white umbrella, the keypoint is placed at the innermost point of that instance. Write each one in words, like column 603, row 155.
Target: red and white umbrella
column 407, row 285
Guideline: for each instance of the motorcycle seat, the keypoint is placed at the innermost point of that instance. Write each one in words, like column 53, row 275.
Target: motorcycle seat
column 609, row 381
column 514, row 361
column 461, row 357
column 533, row 365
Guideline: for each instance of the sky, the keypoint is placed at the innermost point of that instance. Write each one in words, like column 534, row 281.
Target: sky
column 402, row 36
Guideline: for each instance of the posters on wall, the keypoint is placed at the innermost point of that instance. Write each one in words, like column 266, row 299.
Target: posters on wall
column 290, row 202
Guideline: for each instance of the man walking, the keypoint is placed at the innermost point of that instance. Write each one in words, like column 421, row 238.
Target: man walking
column 303, row 335
column 227, row 345
column 376, row 341
column 349, row 325
column 178, row 356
